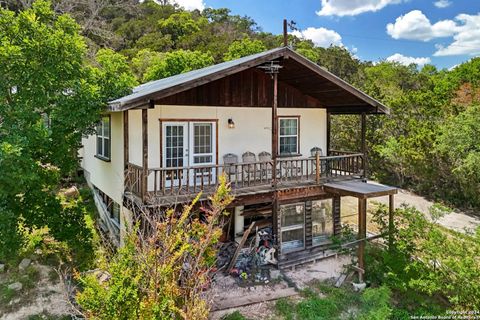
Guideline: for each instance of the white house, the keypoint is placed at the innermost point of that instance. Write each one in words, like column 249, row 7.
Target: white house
column 264, row 122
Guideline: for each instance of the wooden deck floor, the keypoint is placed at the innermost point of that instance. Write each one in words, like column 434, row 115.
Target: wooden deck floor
column 261, row 192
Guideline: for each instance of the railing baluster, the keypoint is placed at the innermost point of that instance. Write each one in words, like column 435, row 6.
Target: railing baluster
column 243, row 176
column 194, row 181
column 210, row 172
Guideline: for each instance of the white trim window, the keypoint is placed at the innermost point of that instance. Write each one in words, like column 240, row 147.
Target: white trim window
column 322, row 221
column 288, row 135
column 103, row 138
column 292, row 227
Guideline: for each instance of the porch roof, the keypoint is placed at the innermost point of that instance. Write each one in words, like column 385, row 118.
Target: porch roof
column 330, row 91
column 359, row 189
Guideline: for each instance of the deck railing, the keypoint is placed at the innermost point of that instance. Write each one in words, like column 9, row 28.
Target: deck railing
column 288, row 171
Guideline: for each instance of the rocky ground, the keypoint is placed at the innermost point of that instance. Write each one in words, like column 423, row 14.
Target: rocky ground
column 32, row 291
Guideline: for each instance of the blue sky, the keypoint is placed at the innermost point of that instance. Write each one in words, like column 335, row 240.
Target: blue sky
column 440, row 32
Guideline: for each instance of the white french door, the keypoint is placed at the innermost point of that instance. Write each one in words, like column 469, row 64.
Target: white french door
column 202, row 153
column 175, row 151
column 189, row 145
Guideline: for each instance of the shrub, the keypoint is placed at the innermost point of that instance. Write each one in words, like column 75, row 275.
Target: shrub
column 427, row 258
column 162, row 269
column 376, row 304
column 234, row 316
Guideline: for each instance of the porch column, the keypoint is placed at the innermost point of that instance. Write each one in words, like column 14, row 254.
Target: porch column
column 125, row 139
column 274, row 129
column 329, row 123
column 391, row 208
column 145, row 152
column 275, row 216
column 362, row 234
column 364, row 144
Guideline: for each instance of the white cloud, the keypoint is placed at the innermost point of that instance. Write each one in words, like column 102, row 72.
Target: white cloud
column 416, row 26
column 352, row 7
column 191, row 4
column 321, row 37
column 405, row 60
column 442, row 4
column 465, row 30
column 467, row 38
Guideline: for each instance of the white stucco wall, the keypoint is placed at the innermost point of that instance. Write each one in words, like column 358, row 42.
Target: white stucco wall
column 107, row 176
column 252, row 130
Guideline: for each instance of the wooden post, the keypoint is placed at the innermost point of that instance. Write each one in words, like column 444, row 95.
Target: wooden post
column 329, row 121
column 317, row 167
column 285, row 33
column 391, row 208
column 275, row 216
column 362, row 234
column 274, row 129
column 364, row 144
column 125, row 139
column 145, row 152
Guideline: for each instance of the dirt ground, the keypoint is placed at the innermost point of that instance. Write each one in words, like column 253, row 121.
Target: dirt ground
column 48, row 297
column 457, row 220
column 225, row 287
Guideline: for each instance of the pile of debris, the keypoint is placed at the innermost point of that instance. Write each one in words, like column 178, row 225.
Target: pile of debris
column 249, row 264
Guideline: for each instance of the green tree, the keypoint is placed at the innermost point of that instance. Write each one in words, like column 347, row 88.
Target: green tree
column 176, row 62
column 242, row 48
column 143, row 60
column 459, row 147
column 49, row 98
column 181, row 24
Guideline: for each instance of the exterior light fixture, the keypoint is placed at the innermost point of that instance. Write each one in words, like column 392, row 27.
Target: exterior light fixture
column 231, row 124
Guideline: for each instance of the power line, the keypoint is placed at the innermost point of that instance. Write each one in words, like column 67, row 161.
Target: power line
column 392, row 40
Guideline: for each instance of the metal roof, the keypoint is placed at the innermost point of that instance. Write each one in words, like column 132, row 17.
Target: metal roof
column 142, row 94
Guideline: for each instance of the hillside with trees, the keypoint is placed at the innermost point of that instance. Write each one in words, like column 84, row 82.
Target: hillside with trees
column 61, row 62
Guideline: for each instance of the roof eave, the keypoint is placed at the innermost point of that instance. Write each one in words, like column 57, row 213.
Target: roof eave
column 338, row 81
column 136, row 102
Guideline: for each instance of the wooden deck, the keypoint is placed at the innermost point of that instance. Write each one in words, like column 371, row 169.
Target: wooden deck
column 173, row 185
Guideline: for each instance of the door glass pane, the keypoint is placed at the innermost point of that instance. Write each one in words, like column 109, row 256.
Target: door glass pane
column 202, row 159
column 322, row 221
column 174, row 146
